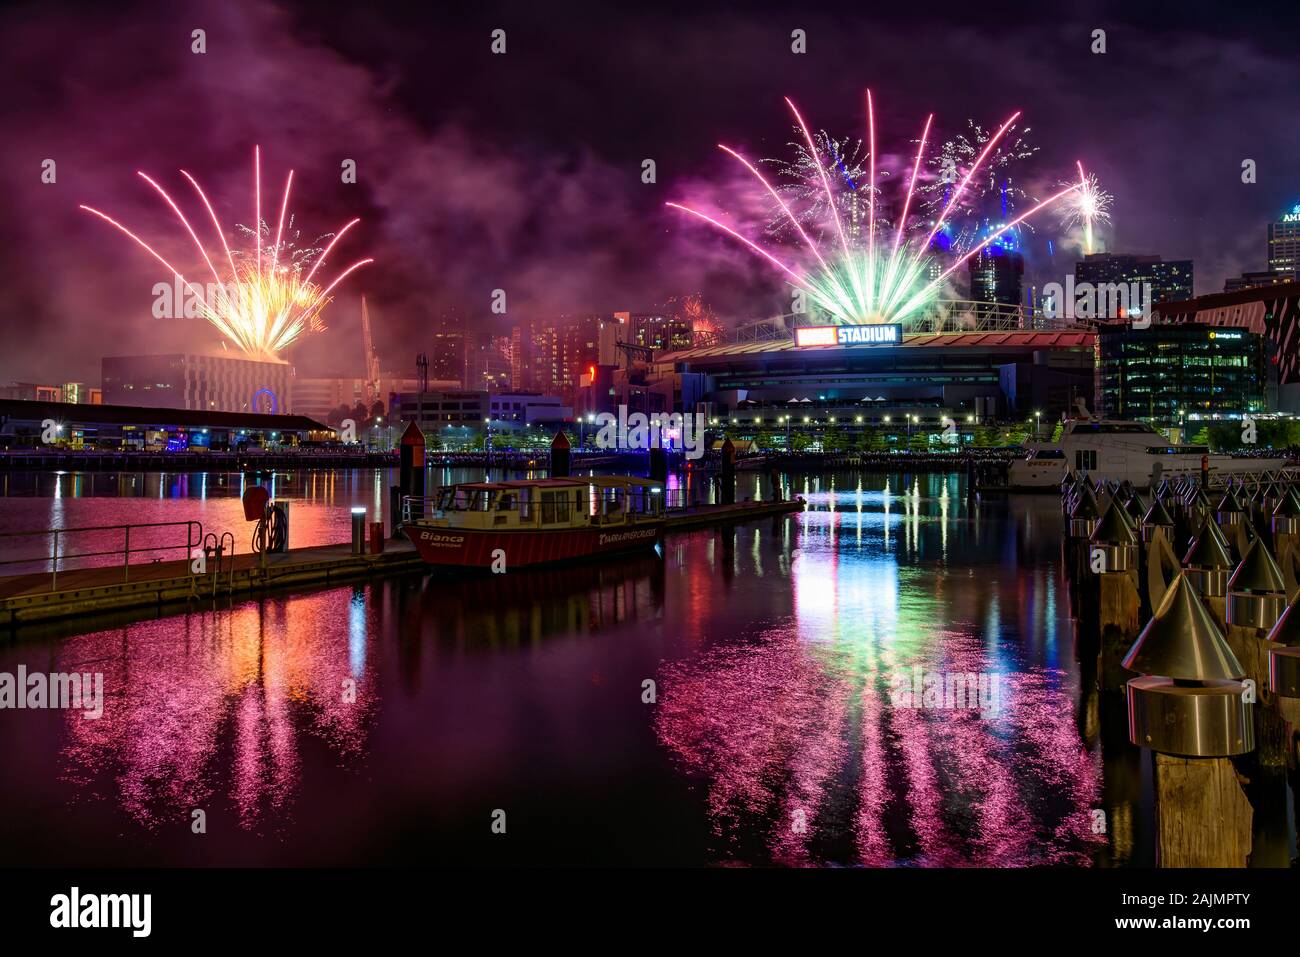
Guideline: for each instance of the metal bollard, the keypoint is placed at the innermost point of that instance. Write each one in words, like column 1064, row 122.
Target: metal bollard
column 358, row 531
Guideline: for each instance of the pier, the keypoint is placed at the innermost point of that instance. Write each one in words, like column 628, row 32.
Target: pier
column 62, row 593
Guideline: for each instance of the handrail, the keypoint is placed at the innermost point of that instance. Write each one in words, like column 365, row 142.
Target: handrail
column 193, row 540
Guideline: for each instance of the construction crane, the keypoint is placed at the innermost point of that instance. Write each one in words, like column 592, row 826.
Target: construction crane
column 371, row 357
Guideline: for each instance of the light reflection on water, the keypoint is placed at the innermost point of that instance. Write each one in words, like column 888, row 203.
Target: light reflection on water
column 773, row 648
column 795, row 733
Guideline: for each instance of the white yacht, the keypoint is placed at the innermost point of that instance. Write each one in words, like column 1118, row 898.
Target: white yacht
column 1116, row 450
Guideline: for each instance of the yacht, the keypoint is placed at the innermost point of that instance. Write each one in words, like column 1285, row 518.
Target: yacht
column 1119, row 451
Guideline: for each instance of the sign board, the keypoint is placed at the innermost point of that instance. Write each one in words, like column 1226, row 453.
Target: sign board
column 880, row 334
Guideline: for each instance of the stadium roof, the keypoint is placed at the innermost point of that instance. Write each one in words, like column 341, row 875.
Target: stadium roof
column 1019, row 339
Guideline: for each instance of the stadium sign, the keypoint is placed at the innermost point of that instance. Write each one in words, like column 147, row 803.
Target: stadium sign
column 882, row 334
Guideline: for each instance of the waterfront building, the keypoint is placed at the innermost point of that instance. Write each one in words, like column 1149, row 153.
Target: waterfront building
column 523, row 409
column 217, row 383
column 25, row 424
column 1270, row 311
column 1164, row 373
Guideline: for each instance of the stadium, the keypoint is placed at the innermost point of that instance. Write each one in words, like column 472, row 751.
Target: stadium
column 968, row 364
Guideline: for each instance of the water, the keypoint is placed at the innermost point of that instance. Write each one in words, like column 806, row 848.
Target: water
column 773, row 652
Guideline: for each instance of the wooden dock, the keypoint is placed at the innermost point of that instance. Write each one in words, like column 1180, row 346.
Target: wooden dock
column 82, row 591
column 28, row 598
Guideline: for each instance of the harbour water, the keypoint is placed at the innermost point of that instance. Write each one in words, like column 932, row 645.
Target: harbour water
column 743, row 698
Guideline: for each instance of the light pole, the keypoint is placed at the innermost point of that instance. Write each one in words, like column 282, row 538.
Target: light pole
column 1038, row 423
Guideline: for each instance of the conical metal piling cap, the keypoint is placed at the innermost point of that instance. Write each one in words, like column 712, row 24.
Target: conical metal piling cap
column 1288, row 505
column 1086, row 505
column 1287, row 629
column 1115, row 528
column 1135, row 506
column 1157, row 514
column 1163, row 489
column 1198, row 499
column 1181, row 641
column 1258, row 571
column 1209, row 550
column 1229, row 503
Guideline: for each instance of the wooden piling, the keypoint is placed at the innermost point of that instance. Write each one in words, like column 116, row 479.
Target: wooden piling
column 1203, row 818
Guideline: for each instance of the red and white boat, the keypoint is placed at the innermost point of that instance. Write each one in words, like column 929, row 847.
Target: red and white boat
column 534, row 522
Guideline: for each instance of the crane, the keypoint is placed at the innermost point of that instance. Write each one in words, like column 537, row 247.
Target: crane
column 371, row 358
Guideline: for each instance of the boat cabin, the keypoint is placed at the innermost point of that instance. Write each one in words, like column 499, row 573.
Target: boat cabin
column 537, row 504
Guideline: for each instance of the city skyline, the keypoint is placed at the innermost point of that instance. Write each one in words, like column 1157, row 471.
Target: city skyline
column 464, row 186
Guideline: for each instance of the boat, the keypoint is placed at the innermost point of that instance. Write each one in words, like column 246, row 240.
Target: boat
column 1118, row 451
column 517, row 524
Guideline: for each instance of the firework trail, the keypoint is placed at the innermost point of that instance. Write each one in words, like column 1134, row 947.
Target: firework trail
column 991, row 197
column 867, row 281
column 1091, row 204
column 263, row 302
column 799, row 182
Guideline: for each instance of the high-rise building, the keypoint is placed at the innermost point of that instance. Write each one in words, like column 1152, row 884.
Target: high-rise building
column 995, row 275
column 447, row 350
column 656, row 330
column 1170, row 281
column 1284, row 243
column 550, row 355
column 487, row 362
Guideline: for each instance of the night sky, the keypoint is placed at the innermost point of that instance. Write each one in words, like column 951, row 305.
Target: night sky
column 523, row 172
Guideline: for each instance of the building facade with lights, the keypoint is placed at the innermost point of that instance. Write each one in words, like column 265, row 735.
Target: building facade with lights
column 128, row 428
column 987, row 376
column 1272, row 312
column 1284, row 243
column 1169, row 280
column 214, row 383
column 1164, row 374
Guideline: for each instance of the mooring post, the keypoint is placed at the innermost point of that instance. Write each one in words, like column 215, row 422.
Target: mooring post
column 1190, row 708
column 561, row 456
column 1112, row 560
column 1208, row 567
column 410, row 475
column 728, row 472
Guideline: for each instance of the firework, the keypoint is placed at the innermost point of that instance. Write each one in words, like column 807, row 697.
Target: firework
column 991, row 197
column 875, row 278
column 264, row 301
column 1091, row 204
column 800, row 183
column 706, row 329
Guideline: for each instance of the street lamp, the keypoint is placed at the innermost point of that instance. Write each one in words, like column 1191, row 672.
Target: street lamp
column 1038, row 422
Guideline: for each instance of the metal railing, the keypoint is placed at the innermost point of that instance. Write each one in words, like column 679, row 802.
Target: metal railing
column 193, row 540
